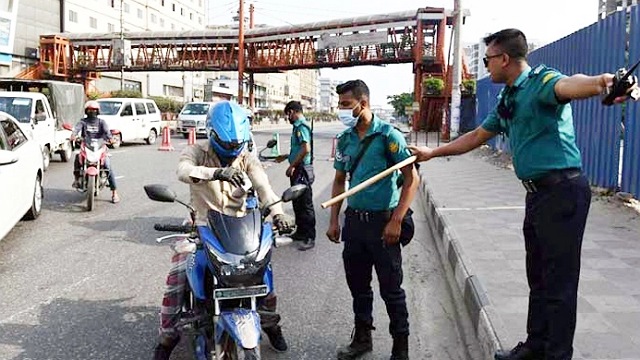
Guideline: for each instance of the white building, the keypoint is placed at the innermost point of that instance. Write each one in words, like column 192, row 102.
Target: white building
column 607, row 7
column 101, row 16
column 473, row 55
column 328, row 95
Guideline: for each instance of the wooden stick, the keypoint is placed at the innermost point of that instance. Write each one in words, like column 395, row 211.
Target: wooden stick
column 368, row 182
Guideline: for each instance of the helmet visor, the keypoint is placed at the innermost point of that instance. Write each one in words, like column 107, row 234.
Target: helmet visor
column 227, row 145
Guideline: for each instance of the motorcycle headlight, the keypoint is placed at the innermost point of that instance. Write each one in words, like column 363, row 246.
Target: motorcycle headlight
column 93, row 156
column 236, row 270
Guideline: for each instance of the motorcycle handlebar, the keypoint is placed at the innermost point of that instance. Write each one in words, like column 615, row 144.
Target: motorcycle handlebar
column 173, row 228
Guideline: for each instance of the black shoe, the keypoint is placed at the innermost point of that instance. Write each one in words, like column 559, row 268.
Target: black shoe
column 307, row 244
column 361, row 343
column 400, row 350
column 163, row 350
column 276, row 339
column 520, row 352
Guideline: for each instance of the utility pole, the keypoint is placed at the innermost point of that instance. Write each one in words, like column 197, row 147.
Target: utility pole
column 252, row 96
column 122, row 45
column 241, row 52
column 457, row 70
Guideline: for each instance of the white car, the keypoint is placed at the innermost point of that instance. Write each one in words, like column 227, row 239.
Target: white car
column 131, row 119
column 21, row 169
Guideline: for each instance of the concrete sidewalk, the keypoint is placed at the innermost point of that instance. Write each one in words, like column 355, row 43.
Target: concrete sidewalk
column 476, row 210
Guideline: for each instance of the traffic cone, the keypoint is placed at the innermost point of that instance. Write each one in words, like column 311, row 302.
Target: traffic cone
column 333, row 149
column 275, row 151
column 166, row 140
column 444, row 135
column 192, row 136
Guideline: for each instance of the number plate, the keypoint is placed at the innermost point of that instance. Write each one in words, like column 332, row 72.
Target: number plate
column 238, row 293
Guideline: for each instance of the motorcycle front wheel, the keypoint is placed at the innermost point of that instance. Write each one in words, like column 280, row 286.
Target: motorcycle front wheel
column 91, row 192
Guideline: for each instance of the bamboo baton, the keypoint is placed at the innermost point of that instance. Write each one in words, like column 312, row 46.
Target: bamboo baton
column 368, row 182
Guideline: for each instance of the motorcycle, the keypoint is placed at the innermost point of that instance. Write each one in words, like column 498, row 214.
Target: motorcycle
column 228, row 270
column 93, row 174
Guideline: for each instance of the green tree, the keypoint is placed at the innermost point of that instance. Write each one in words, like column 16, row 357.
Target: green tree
column 400, row 102
column 126, row 94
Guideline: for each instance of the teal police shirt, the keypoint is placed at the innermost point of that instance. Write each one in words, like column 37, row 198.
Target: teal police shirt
column 301, row 134
column 384, row 194
column 540, row 130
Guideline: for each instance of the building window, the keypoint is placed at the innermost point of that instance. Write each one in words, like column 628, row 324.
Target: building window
column 73, row 16
column 169, row 90
column 161, row 22
column 162, row 2
column 173, row 6
column 126, row 8
column 200, row 3
column 199, row 20
column 111, row 27
column 112, row 3
column 154, row 19
column 181, row 11
column 140, row 13
column 93, row 22
column 190, row 16
column 173, row 26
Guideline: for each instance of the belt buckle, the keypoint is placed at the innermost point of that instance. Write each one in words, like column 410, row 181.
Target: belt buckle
column 530, row 186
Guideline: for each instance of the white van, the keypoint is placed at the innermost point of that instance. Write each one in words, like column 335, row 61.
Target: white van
column 131, row 119
column 193, row 115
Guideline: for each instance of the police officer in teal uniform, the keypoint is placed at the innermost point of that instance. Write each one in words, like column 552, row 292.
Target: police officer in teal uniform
column 534, row 112
column 373, row 218
column 300, row 171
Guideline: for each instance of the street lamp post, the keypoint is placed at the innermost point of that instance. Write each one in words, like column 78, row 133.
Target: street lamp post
column 122, row 45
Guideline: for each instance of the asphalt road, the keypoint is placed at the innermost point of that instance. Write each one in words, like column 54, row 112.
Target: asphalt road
column 80, row 285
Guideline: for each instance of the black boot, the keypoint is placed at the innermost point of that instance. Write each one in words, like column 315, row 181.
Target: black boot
column 521, row 352
column 164, row 348
column 276, row 339
column 400, row 350
column 307, row 244
column 361, row 343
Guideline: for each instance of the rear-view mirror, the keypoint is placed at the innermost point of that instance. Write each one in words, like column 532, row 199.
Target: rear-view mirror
column 7, row 157
column 293, row 192
column 271, row 143
column 160, row 193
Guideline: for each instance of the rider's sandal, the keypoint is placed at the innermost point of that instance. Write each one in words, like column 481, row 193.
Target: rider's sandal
column 115, row 199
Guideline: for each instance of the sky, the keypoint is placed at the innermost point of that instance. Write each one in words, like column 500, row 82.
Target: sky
column 542, row 21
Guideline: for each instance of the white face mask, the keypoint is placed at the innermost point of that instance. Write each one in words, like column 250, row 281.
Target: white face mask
column 347, row 118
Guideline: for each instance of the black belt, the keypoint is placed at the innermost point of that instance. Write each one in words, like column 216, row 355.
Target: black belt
column 550, row 179
column 368, row 216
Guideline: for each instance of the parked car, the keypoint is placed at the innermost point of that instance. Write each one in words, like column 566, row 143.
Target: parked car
column 193, row 115
column 21, row 169
column 131, row 119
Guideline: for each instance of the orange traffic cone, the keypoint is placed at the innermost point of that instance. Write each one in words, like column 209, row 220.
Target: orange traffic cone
column 166, row 140
column 192, row 136
column 444, row 135
column 333, row 149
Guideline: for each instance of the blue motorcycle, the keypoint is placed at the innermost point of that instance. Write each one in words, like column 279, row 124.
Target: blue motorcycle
column 228, row 271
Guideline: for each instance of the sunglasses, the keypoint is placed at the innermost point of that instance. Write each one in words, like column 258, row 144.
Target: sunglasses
column 486, row 59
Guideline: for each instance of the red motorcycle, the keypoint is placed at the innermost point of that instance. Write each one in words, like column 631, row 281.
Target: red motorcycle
column 93, row 173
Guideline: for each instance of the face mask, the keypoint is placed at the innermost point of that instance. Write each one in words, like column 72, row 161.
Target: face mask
column 347, row 118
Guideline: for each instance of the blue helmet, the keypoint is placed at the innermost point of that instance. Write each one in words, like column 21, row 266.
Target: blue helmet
column 228, row 129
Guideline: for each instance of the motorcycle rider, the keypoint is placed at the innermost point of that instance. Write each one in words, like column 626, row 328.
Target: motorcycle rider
column 92, row 127
column 225, row 158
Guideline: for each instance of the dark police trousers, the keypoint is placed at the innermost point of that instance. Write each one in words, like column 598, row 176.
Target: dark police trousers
column 554, row 223
column 364, row 250
column 303, row 206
